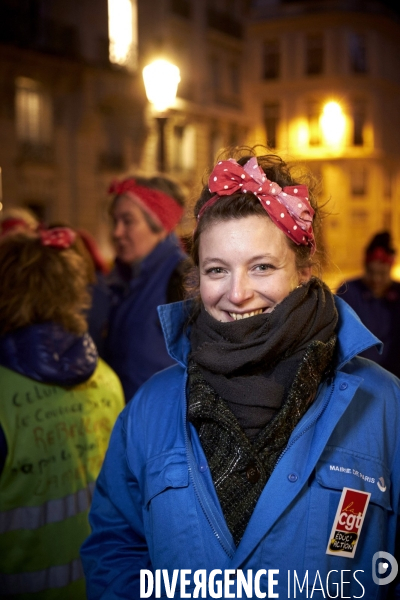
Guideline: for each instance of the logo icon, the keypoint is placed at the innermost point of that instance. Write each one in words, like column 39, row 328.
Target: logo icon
column 381, row 568
column 381, row 484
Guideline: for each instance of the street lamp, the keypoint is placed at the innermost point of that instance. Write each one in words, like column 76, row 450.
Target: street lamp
column 161, row 80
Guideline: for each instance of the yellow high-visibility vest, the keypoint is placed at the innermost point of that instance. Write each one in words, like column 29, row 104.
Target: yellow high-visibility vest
column 56, row 441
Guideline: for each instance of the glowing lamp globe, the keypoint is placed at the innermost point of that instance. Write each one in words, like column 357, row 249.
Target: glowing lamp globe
column 161, row 80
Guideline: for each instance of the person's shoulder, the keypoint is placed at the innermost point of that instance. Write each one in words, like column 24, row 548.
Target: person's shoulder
column 374, row 377
column 105, row 376
column 166, row 380
column 160, row 391
column 350, row 285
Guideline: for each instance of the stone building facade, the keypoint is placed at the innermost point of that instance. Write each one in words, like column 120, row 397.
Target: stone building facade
column 73, row 117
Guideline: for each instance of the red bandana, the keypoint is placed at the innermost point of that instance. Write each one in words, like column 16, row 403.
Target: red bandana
column 11, row 223
column 380, row 255
column 161, row 207
column 288, row 208
column 57, row 237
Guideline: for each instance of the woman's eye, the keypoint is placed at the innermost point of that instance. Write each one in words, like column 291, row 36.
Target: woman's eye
column 214, row 270
column 264, row 267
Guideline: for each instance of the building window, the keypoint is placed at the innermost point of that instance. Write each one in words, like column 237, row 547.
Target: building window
column 271, row 121
column 359, row 114
column 314, row 123
column 358, row 181
column 34, row 119
column 358, row 53
column 122, row 32
column 215, row 72
column 234, row 78
column 314, row 54
column 184, row 148
column 271, row 60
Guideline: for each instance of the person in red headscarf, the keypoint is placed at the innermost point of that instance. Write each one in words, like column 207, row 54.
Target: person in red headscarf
column 148, row 271
column 375, row 297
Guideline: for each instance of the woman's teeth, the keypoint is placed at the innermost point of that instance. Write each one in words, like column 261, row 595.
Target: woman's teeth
column 239, row 316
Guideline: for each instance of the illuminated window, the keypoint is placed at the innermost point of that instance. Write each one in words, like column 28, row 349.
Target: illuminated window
column 332, row 123
column 271, row 121
column 314, row 54
column 122, row 31
column 184, row 148
column 271, row 60
column 358, row 181
column 33, row 113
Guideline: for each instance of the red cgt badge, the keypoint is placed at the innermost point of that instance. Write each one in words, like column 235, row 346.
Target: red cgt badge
column 348, row 522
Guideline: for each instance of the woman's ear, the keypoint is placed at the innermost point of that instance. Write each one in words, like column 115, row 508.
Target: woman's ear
column 304, row 274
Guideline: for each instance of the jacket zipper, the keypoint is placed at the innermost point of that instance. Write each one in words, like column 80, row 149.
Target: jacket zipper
column 191, row 459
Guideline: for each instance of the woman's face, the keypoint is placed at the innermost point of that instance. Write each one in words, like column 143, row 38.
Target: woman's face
column 246, row 268
column 132, row 235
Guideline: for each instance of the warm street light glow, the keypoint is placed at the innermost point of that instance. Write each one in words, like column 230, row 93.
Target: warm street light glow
column 332, row 123
column 121, row 30
column 161, row 80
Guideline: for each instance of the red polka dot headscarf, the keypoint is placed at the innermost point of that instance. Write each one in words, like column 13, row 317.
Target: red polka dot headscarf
column 288, row 207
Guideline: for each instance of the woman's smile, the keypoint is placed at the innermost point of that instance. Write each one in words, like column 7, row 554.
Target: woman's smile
column 246, row 268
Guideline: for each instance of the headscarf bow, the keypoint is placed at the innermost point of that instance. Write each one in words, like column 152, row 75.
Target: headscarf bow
column 288, row 208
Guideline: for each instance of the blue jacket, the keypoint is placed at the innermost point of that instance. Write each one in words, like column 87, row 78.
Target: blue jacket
column 155, row 506
column 135, row 346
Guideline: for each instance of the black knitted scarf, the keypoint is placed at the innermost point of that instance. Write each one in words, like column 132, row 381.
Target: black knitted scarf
column 250, row 382
column 251, row 363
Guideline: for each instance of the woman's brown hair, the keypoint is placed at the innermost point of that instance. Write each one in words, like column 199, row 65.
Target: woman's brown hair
column 40, row 283
column 239, row 205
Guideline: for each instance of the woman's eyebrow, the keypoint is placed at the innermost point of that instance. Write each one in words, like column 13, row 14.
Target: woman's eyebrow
column 265, row 256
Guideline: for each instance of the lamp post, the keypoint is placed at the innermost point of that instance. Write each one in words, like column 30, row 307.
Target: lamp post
column 161, row 80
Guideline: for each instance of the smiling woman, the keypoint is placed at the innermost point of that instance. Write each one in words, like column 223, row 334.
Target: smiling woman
column 222, row 459
column 246, row 268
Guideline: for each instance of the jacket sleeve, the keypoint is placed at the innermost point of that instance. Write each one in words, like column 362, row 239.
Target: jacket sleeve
column 116, row 549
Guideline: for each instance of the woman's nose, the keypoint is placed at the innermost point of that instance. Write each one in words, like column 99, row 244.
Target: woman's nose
column 240, row 289
column 117, row 229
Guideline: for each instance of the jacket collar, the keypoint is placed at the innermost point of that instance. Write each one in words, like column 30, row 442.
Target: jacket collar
column 353, row 336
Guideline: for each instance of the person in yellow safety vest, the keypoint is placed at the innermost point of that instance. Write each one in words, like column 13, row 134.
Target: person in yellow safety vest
column 58, row 405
